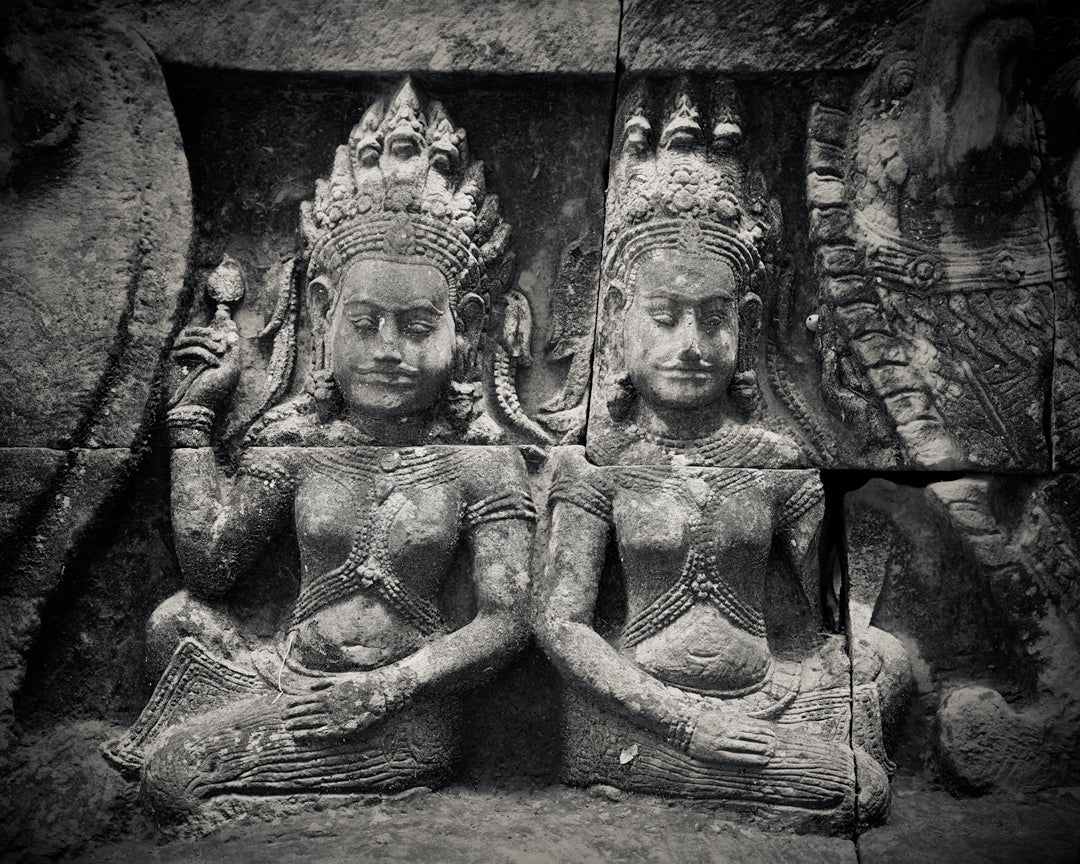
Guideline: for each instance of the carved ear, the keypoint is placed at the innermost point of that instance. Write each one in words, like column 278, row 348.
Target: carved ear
column 615, row 299
column 470, row 318
column 321, row 293
column 749, row 327
column 750, row 311
column 320, row 300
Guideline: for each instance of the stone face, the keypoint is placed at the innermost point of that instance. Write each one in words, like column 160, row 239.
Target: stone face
column 528, row 380
column 701, row 36
column 988, row 555
column 690, row 252
column 95, row 225
column 695, row 666
column 386, row 37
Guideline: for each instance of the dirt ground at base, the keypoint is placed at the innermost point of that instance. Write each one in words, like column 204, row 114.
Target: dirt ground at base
column 556, row 824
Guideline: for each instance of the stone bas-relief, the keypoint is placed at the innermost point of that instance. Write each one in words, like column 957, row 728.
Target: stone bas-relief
column 355, row 558
column 695, row 663
column 359, row 690
column 688, row 237
column 938, row 258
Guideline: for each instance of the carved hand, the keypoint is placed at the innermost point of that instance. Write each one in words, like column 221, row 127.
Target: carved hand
column 210, row 359
column 335, row 708
column 721, row 737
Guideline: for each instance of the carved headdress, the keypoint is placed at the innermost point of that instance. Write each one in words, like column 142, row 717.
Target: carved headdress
column 404, row 189
column 681, row 180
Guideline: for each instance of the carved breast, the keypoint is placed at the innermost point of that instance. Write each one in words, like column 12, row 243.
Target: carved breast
column 694, row 566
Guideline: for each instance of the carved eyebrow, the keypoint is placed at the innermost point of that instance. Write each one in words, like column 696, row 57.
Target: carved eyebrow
column 425, row 307
column 680, row 297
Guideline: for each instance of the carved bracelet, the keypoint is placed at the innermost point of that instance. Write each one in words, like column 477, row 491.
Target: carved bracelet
column 189, row 425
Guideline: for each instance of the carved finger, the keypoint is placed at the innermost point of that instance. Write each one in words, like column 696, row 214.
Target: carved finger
column 195, row 355
column 217, row 346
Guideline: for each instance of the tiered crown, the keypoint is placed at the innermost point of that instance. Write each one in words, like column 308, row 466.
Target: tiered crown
column 681, row 181
column 403, row 189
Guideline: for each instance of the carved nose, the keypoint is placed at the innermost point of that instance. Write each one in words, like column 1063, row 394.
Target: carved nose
column 386, row 348
column 690, row 348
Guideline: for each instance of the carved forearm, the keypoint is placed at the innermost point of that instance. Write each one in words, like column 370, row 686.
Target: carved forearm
column 564, row 629
column 216, row 541
column 587, row 660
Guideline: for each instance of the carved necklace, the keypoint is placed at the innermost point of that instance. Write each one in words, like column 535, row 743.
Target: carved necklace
column 731, row 444
column 369, row 566
column 700, row 578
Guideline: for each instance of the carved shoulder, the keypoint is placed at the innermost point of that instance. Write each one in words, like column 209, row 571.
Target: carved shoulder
column 276, row 467
column 801, row 492
column 496, row 486
column 576, row 481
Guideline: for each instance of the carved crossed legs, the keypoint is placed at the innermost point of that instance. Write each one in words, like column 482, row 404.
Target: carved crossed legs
column 829, row 769
column 214, row 732
column 197, row 771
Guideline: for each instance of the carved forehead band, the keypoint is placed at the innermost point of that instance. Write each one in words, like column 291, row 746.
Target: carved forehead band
column 695, row 238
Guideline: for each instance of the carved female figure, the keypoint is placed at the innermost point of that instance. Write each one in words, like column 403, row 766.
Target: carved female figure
column 359, row 692
column 716, row 682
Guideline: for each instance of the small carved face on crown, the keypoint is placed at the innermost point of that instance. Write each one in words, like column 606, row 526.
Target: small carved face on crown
column 680, row 329
column 393, row 338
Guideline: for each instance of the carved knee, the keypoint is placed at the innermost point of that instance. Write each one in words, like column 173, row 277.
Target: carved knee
column 872, row 788
column 880, row 658
column 181, row 616
column 168, row 776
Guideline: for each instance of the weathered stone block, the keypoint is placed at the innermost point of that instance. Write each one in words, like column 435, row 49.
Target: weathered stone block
column 787, row 37
column 94, row 235
column 387, row 36
column 69, row 504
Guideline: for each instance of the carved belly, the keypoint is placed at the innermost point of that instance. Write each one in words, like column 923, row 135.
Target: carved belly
column 360, row 632
column 703, row 651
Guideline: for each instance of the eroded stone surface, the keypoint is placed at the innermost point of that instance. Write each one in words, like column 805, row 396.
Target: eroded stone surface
column 83, row 485
column 697, row 35
column 388, row 36
column 997, row 684
column 95, row 224
column 937, row 257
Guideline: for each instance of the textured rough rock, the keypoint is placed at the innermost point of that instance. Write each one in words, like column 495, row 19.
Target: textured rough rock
column 995, row 559
column 95, row 223
column 710, row 36
column 927, row 825
column 387, row 36
column 57, row 796
column 83, row 486
column 461, row 825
